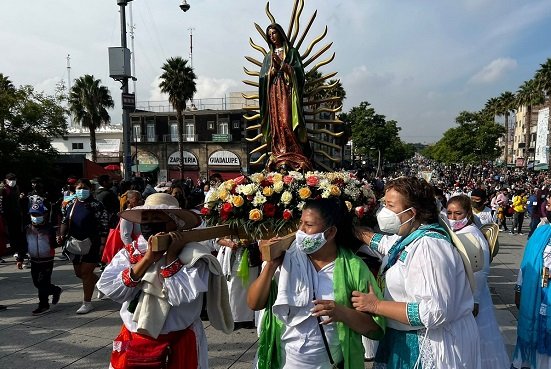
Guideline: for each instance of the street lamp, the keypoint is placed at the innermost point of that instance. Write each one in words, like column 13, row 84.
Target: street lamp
column 119, row 70
column 378, row 160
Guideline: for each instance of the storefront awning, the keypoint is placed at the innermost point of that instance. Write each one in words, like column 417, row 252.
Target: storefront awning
column 145, row 168
column 541, row 166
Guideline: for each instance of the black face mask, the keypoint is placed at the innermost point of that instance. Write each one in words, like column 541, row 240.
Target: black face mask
column 478, row 205
column 151, row 229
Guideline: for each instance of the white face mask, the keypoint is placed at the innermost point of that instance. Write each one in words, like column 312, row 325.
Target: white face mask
column 389, row 222
column 11, row 183
column 310, row 243
column 458, row 224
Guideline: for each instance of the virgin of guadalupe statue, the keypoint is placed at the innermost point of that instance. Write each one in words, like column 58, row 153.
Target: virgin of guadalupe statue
column 281, row 86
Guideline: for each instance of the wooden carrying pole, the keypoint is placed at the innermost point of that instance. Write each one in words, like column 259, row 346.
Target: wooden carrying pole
column 269, row 250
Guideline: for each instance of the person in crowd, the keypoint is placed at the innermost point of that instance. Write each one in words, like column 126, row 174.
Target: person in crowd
column 519, row 206
column 233, row 255
column 482, row 213
column 85, row 219
column 123, row 188
column 39, row 194
column 462, row 221
column 502, row 201
column 12, row 215
column 305, row 294
column 214, row 181
column 129, row 230
column 532, row 296
column 108, row 199
column 177, row 191
column 41, row 241
column 534, row 209
column 160, row 329
column 148, row 190
column 428, row 300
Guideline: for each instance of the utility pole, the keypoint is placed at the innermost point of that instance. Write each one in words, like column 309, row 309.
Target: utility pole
column 132, row 52
column 69, row 86
column 191, row 29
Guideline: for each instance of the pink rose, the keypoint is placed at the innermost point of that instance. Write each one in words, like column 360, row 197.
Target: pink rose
column 239, row 180
column 288, row 180
column 312, row 181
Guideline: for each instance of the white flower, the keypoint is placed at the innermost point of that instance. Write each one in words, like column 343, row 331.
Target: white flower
column 300, row 205
column 257, row 177
column 278, row 187
column 248, row 189
column 326, row 193
column 286, row 197
column 259, row 199
column 296, row 175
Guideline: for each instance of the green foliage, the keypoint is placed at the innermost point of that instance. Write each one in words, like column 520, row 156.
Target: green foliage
column 475, row 139
column 88, row 102
column 371, row 133
column 29, row 119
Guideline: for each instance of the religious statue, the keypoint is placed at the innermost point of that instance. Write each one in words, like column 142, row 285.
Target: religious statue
column 281, row 86
column 295, row 117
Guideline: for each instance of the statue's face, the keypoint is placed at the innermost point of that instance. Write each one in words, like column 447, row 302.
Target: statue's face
column 274, row 36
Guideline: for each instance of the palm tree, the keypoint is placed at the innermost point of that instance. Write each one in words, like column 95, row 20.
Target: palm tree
column 7, row 90
column 505, row 106
column 529, row 94
column 490, row 108
column 543, row 77
column 178, row 81
column 88, row 102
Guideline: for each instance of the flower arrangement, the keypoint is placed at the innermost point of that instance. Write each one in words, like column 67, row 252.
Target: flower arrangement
column 269, row 204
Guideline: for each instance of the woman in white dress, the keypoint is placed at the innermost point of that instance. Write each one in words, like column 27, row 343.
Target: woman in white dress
column 428, row 301
column 493, row 352
column 309, row 321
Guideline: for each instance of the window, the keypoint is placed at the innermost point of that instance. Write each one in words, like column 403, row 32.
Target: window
column 173, row 131
column 150, row 132
column 77, row 145
column 210, row 124
column 223, row 128
column 137, row 133
column 190, row 131
column 236, row 124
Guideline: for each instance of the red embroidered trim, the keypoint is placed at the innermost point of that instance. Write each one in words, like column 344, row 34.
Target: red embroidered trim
column 171, row 269
column 127, row 280
column 133, row 253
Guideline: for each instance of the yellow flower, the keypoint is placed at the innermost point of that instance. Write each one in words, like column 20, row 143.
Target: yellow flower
column 268, row 191
column 237, row 201
column 304, row 193
column 257, row 177
column 223, row 193
column 255, row 215
column 334, row 190
column 277, row 177
column 229, row 184
column 278, row 187
column 286, row 197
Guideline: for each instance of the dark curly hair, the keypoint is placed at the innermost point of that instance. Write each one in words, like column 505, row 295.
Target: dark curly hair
column 418, row 194
column 335, row 213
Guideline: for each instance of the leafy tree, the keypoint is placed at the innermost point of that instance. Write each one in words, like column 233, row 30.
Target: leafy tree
column 475, row 139
column 543, row 77
column 7, row 98
column 30, row 122
column 88, row 102
column 178, row 81
column 372, row 134
column 529, row 94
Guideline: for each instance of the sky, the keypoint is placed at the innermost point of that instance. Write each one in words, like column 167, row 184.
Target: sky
column 419, row 62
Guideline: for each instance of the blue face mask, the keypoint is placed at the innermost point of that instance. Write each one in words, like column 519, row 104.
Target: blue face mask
column 37, row 219
column 82, row 193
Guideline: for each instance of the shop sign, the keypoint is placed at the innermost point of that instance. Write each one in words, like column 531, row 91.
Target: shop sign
column 189, row 159
column 224, row 158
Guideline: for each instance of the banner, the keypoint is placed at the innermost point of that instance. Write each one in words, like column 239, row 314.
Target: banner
column 541, row 155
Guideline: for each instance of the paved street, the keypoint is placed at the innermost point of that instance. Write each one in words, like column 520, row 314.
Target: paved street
column 62, row 339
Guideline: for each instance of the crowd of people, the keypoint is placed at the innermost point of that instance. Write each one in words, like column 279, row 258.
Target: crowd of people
column 412, row 300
